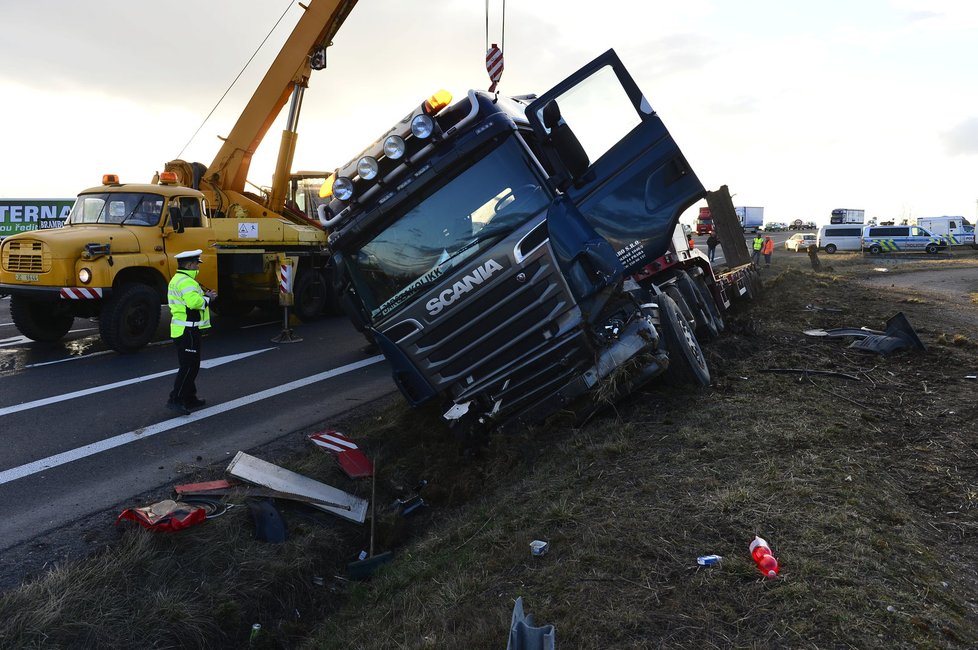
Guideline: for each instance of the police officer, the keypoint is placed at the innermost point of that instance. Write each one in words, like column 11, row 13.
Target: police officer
column 758, row 244
column 189, row 313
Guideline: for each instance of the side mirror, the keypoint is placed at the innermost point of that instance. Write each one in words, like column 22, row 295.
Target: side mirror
column 176, row 220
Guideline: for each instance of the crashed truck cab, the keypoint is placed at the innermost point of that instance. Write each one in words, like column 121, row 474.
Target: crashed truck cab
column 487, row 246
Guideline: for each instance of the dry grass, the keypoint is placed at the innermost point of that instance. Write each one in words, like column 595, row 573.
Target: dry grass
column 866, row 490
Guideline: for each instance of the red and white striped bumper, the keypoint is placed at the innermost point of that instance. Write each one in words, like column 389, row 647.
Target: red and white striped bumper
column 80, row 293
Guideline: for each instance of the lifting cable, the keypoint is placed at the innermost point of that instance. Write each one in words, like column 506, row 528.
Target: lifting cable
column 494, row 53
column 250, row 59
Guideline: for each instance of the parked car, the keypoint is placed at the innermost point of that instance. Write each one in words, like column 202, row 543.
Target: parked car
column 775, row 226
column 800, row 241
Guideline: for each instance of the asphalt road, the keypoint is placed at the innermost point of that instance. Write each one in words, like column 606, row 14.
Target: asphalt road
column 779, row 238
column 85, row 428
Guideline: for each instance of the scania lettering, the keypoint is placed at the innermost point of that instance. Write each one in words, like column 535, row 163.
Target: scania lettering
column 509, row 255
column 447, row 297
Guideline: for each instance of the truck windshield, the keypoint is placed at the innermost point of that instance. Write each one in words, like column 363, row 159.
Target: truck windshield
column 131, row 208
column 473, row 210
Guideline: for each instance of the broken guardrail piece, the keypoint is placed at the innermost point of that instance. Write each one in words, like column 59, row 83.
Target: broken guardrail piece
column 525, row 635
column 898, row 334
column 318, row 495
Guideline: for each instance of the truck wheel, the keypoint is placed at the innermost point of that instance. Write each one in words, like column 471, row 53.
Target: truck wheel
column 686, row 362
column 130, row 317
column 310, row 294
column 711, row 304
column 706, row 329
column 673, row 292
column 830, row 248
column 45, row 321
column 875, row 249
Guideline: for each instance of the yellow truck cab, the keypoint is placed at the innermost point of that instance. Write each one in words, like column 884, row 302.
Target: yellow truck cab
column 114, row 256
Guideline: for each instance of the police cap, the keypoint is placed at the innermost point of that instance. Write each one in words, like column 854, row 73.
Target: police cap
column 189, row 255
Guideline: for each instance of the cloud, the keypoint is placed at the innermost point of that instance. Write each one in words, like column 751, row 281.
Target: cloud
column 962, row 139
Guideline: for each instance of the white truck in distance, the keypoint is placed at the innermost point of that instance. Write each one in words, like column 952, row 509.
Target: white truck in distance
column 958, row 231
column 751, row 218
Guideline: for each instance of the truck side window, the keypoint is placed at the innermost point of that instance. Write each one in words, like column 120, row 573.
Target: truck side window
column 599, row 112
column 190, row 212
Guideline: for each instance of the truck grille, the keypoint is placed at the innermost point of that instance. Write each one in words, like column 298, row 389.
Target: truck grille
column 501, row 341
column 26, row 256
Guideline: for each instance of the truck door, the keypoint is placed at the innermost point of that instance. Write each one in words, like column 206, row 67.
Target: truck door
column 614, row 158
column 185, row 231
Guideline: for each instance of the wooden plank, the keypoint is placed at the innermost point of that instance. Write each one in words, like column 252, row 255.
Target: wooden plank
column 261, row 472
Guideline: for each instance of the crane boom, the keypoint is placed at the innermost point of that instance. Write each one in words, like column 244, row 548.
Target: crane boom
column 320, row 21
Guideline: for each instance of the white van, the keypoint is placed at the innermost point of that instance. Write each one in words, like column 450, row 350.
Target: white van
column 891, row 239
column 840, row 237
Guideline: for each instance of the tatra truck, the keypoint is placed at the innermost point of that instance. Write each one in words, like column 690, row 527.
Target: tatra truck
column 113, row 257
column 509, row 255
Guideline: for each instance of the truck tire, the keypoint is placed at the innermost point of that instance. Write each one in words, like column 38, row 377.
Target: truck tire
column 311, row 290
column 130, row 318
column 687, row 365
column 711, row 304
column 673, row 292
column 706, row 329
column 45, row 321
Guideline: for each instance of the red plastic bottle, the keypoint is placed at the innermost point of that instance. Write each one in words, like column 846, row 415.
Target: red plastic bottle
column 766, row 563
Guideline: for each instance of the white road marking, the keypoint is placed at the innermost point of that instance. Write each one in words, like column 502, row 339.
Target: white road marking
column 19, row 340
column 208, row 363
column 71, row 455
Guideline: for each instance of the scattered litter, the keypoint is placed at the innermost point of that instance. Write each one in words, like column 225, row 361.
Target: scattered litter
column 899, row 334
column 833, row 310
column 205, row 486
column 212, row 507
column 368, row 563
column 539, row 547
column 409, row 505
column 302, row 488
column 766, row 563
column 319, row 581
column 269, row 525
column 881, row 269
column 971, row 376
column 806, row 371
column 255, row 633
column 525, row 635
column 352, row 461
column 167, row 515
column 708, row 560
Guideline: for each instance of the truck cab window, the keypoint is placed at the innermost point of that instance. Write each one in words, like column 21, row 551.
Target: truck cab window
column 483, row 203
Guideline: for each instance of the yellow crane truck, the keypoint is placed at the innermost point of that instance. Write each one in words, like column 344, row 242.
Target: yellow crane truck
column 113, row 257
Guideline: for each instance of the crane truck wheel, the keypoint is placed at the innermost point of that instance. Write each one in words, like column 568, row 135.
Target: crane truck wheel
column 45, row 321
column 311, row 290
column 130, row 317
column 687, row 365
column 706, row 329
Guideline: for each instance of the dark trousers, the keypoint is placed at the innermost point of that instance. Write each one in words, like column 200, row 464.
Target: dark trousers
column 188, row 354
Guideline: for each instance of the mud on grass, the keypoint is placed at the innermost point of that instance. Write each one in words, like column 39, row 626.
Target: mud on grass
column 865, row 487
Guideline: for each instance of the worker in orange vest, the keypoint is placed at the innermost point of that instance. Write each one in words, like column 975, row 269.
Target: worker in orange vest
column 766, row 249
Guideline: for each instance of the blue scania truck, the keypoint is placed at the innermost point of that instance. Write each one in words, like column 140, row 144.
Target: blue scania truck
column 510, row 255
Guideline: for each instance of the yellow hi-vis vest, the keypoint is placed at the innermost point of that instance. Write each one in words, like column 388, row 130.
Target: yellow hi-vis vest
column 758, row 242
column 187, row 302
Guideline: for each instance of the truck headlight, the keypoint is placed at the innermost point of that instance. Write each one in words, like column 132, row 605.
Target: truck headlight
column 422, row 126
column 343, row 188
column 367, row 168
column 394, row 147
column 84, row 276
